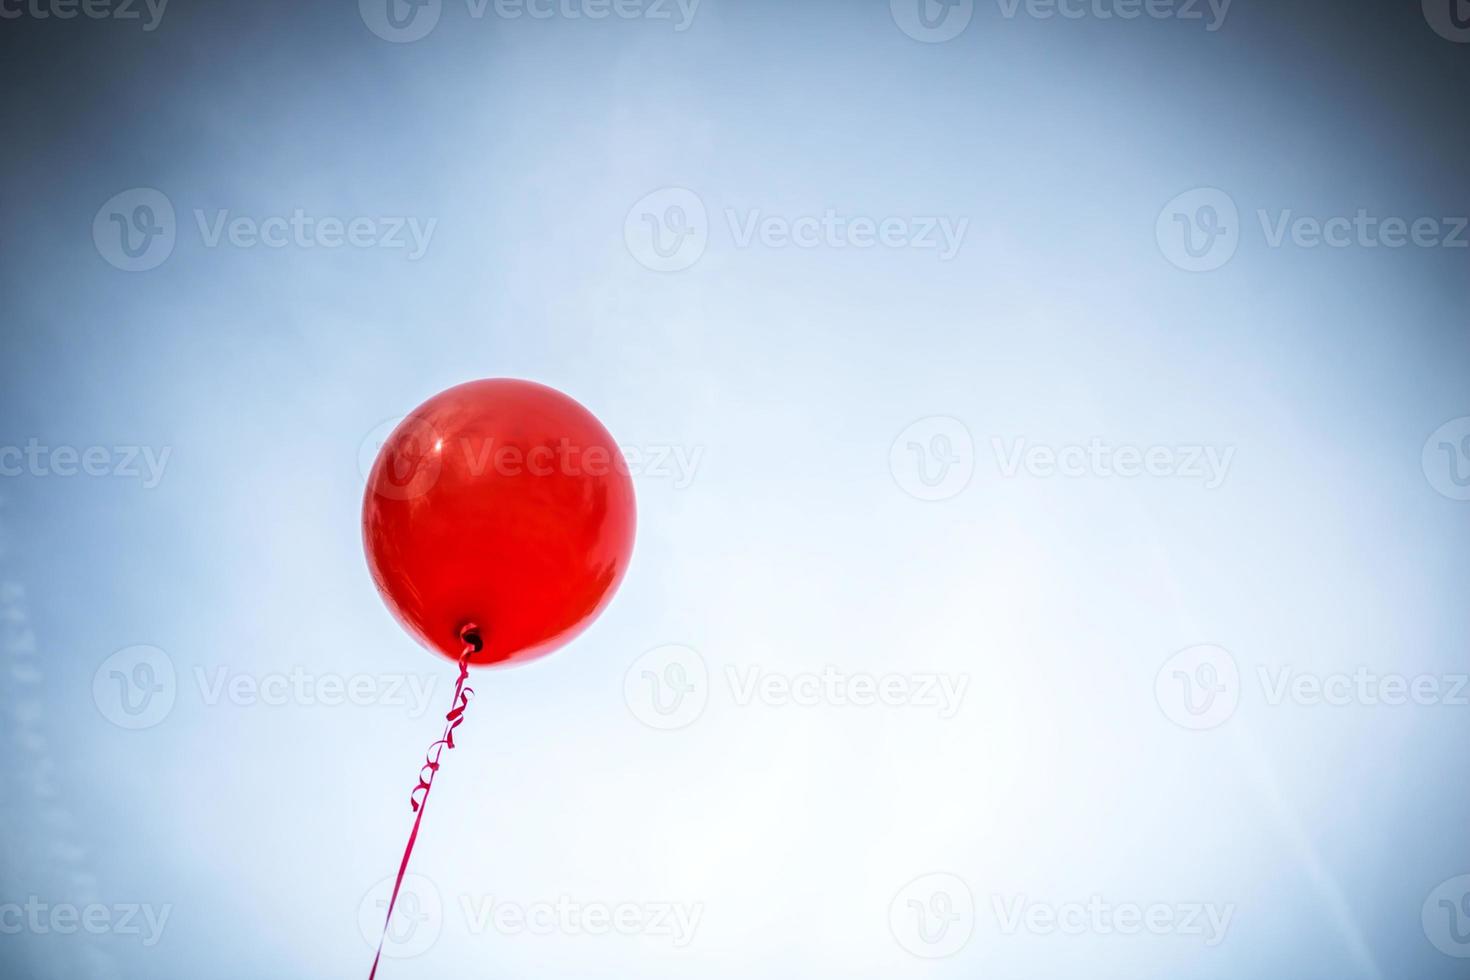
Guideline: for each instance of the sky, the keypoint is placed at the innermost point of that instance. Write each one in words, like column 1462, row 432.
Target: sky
column 1051, row 437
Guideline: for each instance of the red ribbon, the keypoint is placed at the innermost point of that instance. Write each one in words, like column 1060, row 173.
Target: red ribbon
column 452, row 720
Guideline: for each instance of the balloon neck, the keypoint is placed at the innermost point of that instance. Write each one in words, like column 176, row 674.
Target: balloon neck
column 469, row 634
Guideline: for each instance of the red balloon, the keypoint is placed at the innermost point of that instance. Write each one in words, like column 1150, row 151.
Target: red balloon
column 502, row 505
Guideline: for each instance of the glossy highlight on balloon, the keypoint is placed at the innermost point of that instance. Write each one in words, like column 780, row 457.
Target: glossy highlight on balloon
column 501, row 503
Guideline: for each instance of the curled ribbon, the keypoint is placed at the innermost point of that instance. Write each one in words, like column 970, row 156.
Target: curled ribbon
column 452, row 720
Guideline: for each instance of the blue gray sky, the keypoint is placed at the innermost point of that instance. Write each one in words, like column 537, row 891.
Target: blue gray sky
column 1052, row 444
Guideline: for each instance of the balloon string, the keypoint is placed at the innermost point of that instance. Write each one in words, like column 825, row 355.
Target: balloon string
column 452, row 720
